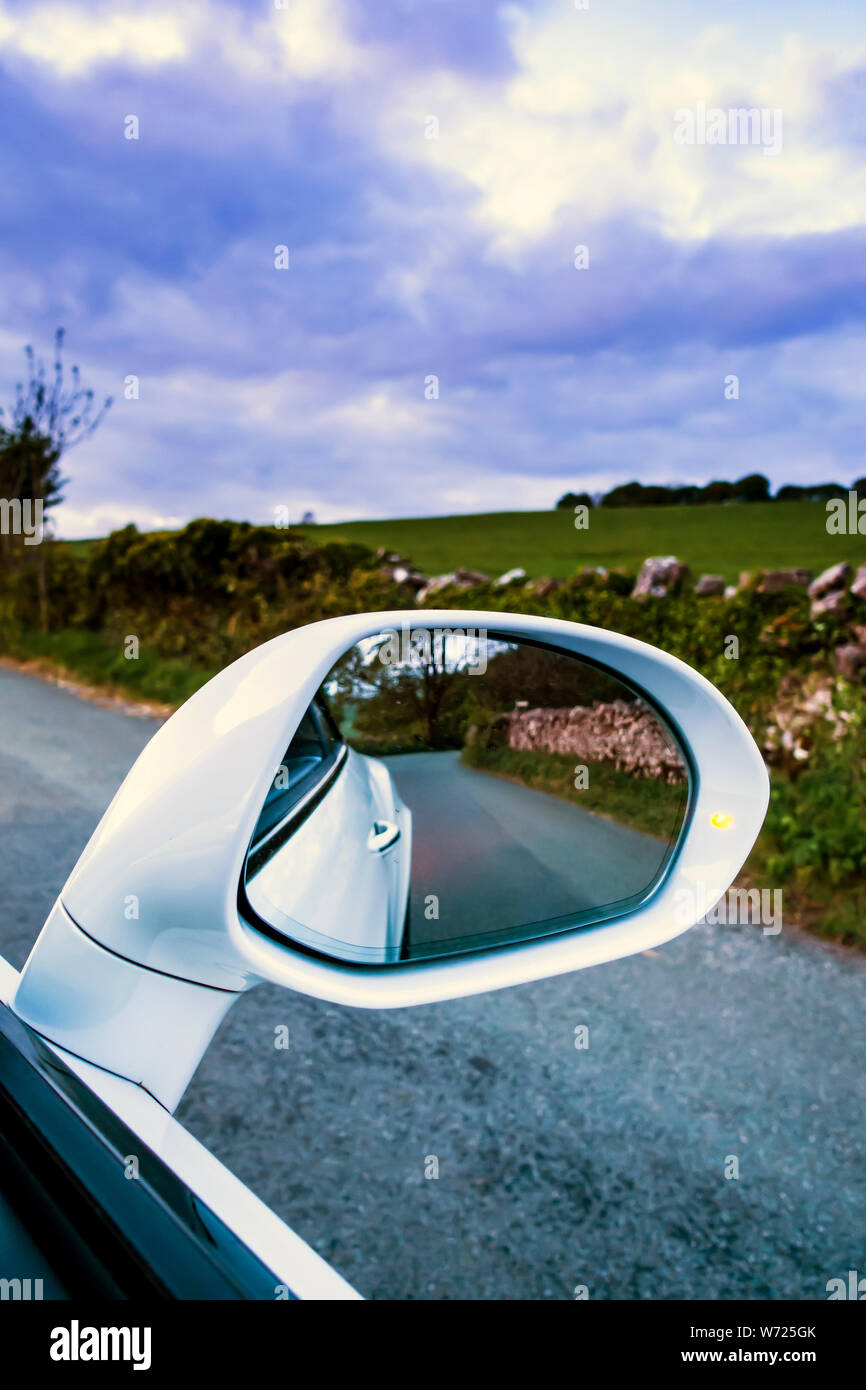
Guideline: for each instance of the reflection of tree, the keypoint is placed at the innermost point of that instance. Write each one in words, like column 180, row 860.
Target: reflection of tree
column 425, row 697
column 544, row 679
column 418, row 701
column 435, row 693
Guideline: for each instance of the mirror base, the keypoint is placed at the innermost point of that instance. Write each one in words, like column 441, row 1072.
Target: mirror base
column 140, row 1024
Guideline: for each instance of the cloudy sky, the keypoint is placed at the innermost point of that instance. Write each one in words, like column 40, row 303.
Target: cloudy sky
column 308, row 124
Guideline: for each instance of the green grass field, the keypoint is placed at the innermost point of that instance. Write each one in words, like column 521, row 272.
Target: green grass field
column 712, row 540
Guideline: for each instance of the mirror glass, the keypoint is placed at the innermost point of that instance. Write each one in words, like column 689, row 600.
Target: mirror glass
column 450, row 790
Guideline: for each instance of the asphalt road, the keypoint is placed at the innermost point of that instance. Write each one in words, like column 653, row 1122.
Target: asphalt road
column 558, row 1167
column 498, row 855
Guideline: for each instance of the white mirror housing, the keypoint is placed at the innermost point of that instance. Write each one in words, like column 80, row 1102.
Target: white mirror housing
column 146, row 947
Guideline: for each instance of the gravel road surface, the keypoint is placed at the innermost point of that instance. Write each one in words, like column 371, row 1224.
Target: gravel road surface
column 557, row 1166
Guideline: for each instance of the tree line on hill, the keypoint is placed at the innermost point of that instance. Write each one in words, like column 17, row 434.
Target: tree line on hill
column 754, row 487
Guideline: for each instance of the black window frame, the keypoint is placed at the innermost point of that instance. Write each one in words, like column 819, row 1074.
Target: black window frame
column 63, row 1155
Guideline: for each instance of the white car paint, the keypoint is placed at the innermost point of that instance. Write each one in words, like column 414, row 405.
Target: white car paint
column 339, row 887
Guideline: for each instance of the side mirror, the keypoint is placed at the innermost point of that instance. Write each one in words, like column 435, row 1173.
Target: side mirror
column 390, row 809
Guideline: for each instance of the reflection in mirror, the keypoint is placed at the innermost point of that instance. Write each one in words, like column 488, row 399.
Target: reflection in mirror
column 451, row 790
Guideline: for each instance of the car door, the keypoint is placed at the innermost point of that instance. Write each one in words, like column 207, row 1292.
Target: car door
column 105, row 1195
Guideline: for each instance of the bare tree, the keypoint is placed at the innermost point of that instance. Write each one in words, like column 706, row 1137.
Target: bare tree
column 51, row 414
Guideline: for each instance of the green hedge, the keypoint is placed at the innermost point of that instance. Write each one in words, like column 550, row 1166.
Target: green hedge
column 198, row 598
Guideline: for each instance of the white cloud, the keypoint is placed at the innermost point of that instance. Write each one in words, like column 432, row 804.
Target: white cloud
column 72, row 39
column 306, row 39
column 81, row 523
column 313, row 41
column 585, row 128
column 388, row 413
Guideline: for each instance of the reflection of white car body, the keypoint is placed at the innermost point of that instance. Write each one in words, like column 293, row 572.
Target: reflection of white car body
column 343, row 873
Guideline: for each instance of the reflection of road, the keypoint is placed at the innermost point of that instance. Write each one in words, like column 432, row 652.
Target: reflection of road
column 497, row 854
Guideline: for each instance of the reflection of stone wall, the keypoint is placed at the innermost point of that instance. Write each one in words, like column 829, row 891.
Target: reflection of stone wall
column 628, row 735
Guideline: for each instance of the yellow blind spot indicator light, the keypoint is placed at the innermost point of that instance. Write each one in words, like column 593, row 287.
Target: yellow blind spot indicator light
column 721, row 820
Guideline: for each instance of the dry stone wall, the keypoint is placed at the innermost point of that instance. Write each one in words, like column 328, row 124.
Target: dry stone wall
column 620, row 732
